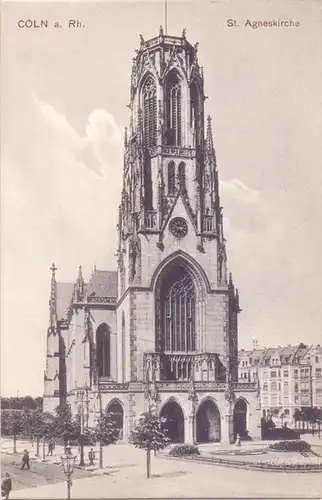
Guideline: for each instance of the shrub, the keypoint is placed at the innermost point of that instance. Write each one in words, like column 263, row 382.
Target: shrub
column 290, row 446
column 184, row 449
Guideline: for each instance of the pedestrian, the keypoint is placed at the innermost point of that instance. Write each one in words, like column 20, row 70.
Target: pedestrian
column 237, row 442
column 50, row 447
column 91, row 456
column 6, row 486
column 25, row 460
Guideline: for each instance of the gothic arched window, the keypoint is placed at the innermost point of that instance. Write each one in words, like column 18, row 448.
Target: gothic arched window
column 182, row 175
column 149, row 95
column 178, row 312
column 103, row 350
column 171, row 178
column 173, row 110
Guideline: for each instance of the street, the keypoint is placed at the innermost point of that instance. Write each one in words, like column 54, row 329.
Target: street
column 170, row 479
column 40, row 474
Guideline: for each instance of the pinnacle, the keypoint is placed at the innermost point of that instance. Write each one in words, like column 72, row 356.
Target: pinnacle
column 209, row 139
column 80, row 274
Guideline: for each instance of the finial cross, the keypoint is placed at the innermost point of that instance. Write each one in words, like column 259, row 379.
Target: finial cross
column 53, row 268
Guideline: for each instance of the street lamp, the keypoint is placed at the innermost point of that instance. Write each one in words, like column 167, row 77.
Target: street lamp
column 81, row 440
column 68, row 463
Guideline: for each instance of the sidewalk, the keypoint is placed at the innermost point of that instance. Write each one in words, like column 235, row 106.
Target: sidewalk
column 123, row 452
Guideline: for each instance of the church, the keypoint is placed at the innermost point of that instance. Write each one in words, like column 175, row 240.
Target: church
column 160, row 331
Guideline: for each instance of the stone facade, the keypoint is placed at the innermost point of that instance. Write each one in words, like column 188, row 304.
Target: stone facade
column 163, row 328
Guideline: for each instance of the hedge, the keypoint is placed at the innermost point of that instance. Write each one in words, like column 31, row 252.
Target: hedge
column 290, row 446
column 184, row 449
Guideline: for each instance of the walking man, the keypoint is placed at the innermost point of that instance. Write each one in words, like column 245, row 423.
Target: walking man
column 50, row 447
column 25, row 460
column 6, row 486
column 91, row 456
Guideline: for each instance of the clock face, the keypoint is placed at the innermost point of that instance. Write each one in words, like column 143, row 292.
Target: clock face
column 179, row 227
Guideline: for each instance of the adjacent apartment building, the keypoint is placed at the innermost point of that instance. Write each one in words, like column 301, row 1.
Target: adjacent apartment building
column 288, row 377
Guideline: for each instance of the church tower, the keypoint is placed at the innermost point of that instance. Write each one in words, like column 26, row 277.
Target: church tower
column 171, row 241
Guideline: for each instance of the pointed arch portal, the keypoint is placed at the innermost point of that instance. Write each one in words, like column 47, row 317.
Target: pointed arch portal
column 240, row 418
column 116, row 410
column 174, row 421
column 208, row 423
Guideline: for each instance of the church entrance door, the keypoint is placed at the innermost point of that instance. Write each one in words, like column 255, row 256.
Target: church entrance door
column 240, row 418
column 116, row 409
column 174, row 421
column 208, row 422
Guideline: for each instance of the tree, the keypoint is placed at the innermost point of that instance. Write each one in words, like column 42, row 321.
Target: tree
column 105, row 433
column 37, row 424
column 149, row 434
column 21, row 403
column 64, row 425
column 12, row 424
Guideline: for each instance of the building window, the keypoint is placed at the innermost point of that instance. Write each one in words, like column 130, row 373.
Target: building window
column 316, row 359
column 285, row 386
column 304, row 373
column 273, row 386
column 296, row 387
column 149, row 94
column 178, row 304
column 182, row 175
column 265, row 374
column 285, row 373
column 273, row 374
column 265, row 387
column 171, row 179
column 296, row 373
column 318, row 372
column 173, row 110
column 103, row 353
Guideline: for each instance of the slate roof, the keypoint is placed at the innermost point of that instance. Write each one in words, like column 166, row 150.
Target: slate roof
column 288, row 354
column 64, row 295
column 102, row 284
column 302, row 352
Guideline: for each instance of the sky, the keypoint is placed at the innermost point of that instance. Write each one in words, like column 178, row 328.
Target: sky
column 64, row 94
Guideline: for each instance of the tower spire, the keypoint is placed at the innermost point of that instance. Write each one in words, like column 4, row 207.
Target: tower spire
column 166, row 16
column 209, row 141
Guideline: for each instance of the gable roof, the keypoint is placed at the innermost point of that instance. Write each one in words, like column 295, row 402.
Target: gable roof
column 64, row 296
column 103, row 284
